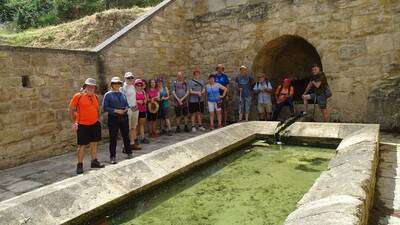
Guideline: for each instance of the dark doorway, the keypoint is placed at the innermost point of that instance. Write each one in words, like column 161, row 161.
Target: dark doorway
column 287, row 56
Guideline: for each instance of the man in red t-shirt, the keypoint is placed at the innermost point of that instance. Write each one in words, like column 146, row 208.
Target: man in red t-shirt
column 84, row 114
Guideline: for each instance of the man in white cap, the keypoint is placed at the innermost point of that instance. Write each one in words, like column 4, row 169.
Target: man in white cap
column 84, row 114
column 116, row 105
column 133, row 113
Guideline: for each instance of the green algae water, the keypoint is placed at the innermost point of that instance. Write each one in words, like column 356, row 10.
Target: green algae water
column 256, row 185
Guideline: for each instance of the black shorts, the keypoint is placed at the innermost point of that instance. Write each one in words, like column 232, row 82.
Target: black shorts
column 181, row 111
column 142, row 115
column 88, row 133
column 163, row 113
column 151, row 116
column 195, row 107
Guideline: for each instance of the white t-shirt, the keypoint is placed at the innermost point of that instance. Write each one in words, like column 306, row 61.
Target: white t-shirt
column 263, row 97
column 130, row 92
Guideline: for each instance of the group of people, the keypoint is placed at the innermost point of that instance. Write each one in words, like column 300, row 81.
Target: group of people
column 133, row 105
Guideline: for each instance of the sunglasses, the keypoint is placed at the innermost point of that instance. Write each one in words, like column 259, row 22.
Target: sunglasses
column 130, row 78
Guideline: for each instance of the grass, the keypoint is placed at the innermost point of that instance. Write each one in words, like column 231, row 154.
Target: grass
column 84, row 33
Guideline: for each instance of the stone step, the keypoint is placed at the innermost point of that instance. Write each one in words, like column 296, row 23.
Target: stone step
column 390, row 156
column 389, row 170
column 387, row 192
column 385, row 146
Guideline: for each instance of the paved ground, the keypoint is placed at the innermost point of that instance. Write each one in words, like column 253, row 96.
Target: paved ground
column 30, row 176
column 386, row 210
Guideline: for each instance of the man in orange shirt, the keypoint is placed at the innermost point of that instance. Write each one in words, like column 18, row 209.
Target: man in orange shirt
column 84, row 114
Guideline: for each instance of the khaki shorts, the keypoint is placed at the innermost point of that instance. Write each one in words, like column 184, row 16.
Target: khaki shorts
column 133, row 118
column 264, row 107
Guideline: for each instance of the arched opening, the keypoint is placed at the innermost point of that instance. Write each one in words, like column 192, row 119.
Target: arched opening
column 287, row 56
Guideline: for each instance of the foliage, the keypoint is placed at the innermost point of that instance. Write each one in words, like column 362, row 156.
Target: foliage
column 39, row 13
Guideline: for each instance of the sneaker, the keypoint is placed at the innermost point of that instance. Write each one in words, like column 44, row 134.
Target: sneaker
column 186, row 128
column 123, row 150
column 96, row 164
column 79, row 168
column 129, row 156
column 194, row 129
column 220, row 126
column 169, row 133
column 202, row 128
column 113, row 161
column 135, row 147
column 145, row 141
column 304, row 113
column 163, row 132
column 178, row 129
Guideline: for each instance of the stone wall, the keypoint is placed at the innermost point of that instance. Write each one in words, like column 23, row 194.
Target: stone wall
column 155, row 47
column 358, row 41
column 34, row 122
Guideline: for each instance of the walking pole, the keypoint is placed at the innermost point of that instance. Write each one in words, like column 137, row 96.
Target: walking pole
column 313, row 114
column 240, row 105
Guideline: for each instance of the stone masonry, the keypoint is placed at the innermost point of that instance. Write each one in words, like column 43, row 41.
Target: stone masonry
column 357, row 43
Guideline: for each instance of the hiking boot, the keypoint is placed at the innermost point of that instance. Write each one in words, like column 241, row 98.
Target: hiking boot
column 129, row 156
column 194, row 129
column 135, row 147
column 113, row 161
column 187, row 129
column 79, row 168
column 145, row 141
column 201, row 128
column 169, row 133
column 96, row 164
column 178, row 129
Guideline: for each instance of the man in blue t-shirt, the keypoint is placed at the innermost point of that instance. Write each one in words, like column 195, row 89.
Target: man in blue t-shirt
column 222, row 78
column 245, row 83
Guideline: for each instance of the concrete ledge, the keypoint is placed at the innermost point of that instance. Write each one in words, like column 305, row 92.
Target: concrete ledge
column 341, row 195
column 344, row 193
column 78, row 198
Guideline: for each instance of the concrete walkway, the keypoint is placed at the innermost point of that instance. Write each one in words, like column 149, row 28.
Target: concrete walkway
column 27, row 177
column 386, row 209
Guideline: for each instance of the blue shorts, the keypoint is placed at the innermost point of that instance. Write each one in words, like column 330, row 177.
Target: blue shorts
column 321, row 100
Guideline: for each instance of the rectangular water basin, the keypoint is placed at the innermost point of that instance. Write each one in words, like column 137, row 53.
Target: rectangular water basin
column 257, row 184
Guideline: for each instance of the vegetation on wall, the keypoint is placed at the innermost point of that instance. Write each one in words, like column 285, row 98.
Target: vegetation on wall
column 23, row 14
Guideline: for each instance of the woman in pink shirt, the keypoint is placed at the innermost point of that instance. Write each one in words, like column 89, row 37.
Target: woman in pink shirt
column 153, row 95
column 141, row 100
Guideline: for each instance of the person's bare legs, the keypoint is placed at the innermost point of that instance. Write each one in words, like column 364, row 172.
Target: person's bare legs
column 219, row 118
column 142, row 122
column 325, row 114
column 246, row 116
column 93, row 150
column 305, row 102
column 211, row 120
column 199, row 118
column 132, row 135
column 178, row 121
column 168, row 122
column 193, row 119
column 81, row 153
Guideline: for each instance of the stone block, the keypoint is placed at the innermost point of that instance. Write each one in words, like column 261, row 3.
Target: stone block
column 379, row 43
column 332, row 210
column 308, row 129
column 358, row 133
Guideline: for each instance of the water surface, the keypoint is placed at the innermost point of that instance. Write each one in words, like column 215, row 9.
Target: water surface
column 259, row 185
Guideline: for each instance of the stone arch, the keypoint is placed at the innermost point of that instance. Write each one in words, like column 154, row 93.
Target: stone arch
column 287, row 56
